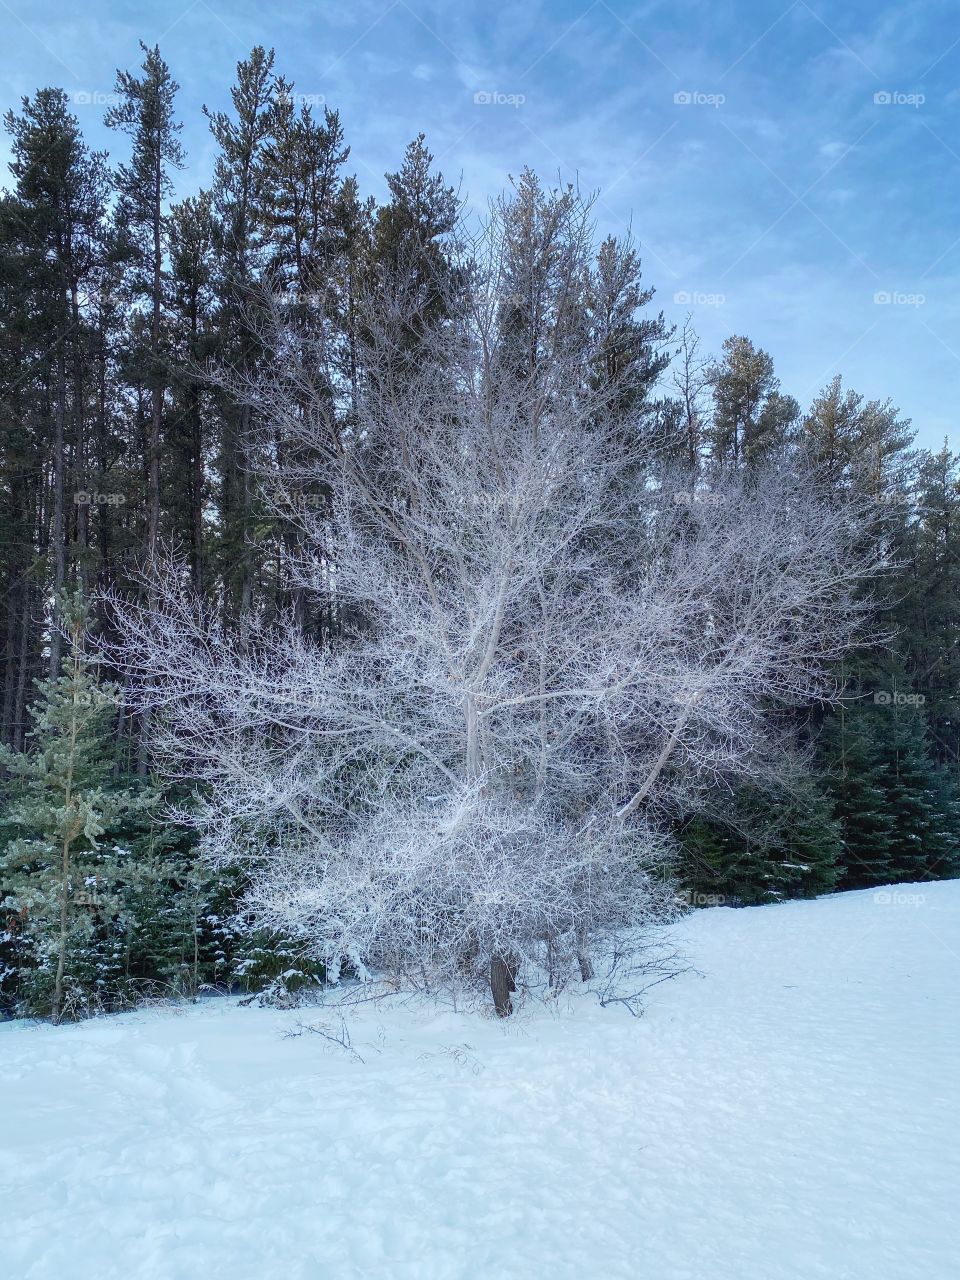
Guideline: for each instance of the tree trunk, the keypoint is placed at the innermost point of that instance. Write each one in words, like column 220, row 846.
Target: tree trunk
column 20, row 695
column 57, row 1009
column 583, row 956
column 69, row 835
column 196, row 489
column 58, row 527
column 80, row 443
column 246, row 507
column 503, row 981
column 157, row 387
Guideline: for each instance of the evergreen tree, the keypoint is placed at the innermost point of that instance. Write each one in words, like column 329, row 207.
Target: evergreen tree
column 928, row 605
column 752, row 418
column 410, row 260
column 410, row 229
column 194, row 342
column 63, row 865
column 632, row 348
column 882, row 453
column 856, row 782
column 240, row 215
column 353, row 267
column 762, row 844
column 300, row 171
column 146, row 113
column 829, row 434
column 23, row 453
column 55, row 218
column 921, row 804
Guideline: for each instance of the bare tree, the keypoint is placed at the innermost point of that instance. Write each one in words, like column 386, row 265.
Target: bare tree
column 537, row 665
column 691, row 378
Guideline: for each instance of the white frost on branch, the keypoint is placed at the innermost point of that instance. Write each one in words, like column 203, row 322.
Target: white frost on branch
column 547, row 645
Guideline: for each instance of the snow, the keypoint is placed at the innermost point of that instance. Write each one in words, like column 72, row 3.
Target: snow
column 789, row 1112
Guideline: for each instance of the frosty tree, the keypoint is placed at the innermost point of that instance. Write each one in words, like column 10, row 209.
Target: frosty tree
column 544, row 643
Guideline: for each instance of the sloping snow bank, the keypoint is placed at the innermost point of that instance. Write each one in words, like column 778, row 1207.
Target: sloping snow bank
column 791, row 1114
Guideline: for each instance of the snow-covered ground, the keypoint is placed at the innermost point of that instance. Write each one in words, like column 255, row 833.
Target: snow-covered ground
column 791, row 1114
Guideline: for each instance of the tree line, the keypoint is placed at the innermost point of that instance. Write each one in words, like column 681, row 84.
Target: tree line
column 138, row 352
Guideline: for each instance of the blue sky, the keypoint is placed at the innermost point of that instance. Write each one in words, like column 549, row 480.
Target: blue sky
column 791, row 170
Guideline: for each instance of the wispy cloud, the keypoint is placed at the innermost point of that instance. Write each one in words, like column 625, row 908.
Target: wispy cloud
column 749, row 151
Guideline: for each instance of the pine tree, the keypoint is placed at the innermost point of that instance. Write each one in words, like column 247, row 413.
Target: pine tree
column 923, row 809
column 62, row 863
column 828, row 437
column 752, row 418
column 631, row 348
column 146, row 113
column 882, row 455
column 240, row 215
column 300, row 172
column 56, row 221
column 761, row 844
column 409, row 257
column 353, row 266
column 928, row 605
column 23, row 454
column 856, row 782
column 192, row 272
